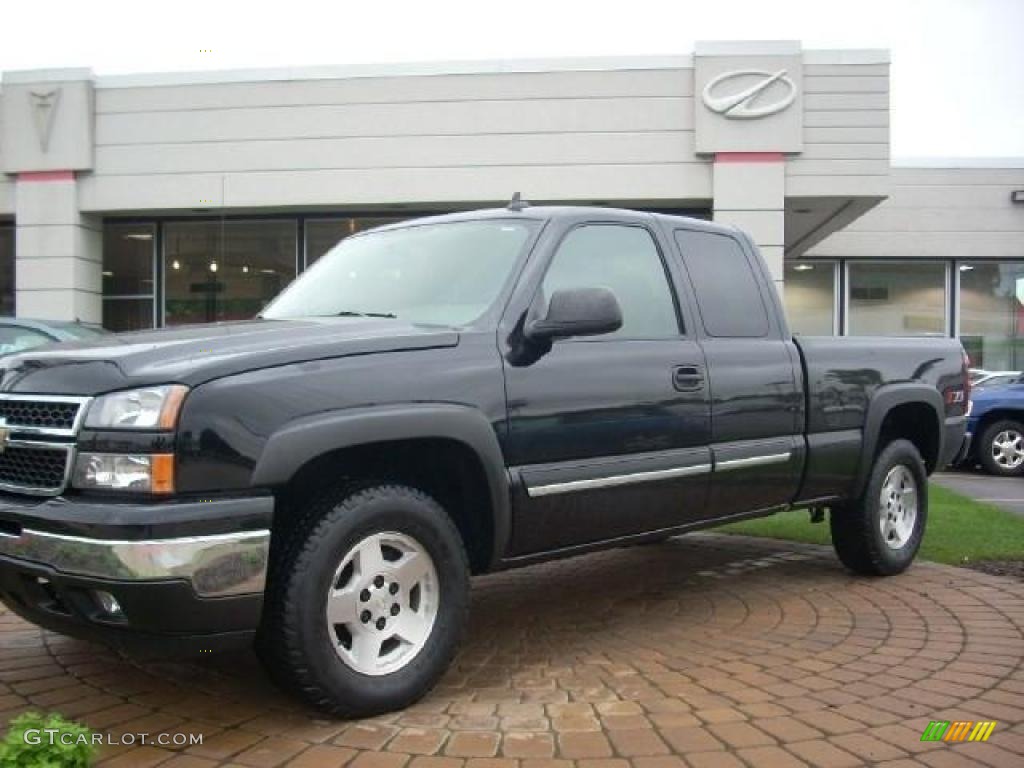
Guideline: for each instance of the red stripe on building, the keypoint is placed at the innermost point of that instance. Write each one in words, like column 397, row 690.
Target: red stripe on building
column 47, row 176
column 748, row 157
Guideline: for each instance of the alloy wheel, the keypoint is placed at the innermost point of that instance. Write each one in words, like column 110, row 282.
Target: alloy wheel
column 1008, row 449
column 382, row 603
column 898, row 507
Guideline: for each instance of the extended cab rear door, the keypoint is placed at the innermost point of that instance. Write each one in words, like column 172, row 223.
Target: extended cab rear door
column 754, row 379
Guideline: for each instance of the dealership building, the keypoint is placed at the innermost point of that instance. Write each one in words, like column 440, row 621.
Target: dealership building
column 155, row 200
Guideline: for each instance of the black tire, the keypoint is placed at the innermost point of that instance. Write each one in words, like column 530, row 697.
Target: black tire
column 985, row 449
column 295, row 641
column 856, row 527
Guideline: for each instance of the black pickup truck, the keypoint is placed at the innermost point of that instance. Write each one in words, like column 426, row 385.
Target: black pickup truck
column 439, row 398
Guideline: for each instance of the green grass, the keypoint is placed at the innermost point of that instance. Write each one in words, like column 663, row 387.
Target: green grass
column 960, row 530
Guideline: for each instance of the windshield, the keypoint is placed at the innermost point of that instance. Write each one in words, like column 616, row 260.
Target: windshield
column 442, row 274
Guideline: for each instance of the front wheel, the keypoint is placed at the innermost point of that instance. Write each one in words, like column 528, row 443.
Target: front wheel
column 368, row 601
column 880, row 533
column 1001, row 448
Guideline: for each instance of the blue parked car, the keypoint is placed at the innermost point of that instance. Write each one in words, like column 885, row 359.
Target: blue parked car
column 995, row 429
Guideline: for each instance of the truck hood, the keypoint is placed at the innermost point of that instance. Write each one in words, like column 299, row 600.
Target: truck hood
column 194, row 354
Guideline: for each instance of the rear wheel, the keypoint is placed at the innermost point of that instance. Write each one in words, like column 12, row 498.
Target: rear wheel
column 1001, row 448
column 368, row 605
column 880, row 533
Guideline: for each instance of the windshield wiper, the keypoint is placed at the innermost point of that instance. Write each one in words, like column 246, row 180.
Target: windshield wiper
column 347, row 313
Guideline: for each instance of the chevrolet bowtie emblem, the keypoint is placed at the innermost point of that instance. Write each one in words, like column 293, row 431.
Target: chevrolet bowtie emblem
column 760, row 93
column 4, row 435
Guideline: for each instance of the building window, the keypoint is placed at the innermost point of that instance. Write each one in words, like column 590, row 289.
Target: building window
column 810, row 297
column 897, row 298
column 225, row 270
column 992, row 314
column 129, row 293
column 324, row 234
column 6, row 271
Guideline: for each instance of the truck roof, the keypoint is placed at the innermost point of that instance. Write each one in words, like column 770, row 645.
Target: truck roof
column 550, row 212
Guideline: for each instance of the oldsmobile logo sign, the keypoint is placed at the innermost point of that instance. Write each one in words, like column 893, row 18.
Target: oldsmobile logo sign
column 747, row 94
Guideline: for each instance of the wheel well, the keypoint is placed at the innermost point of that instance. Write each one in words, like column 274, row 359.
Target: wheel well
column 998, row 415
column 916, row 422
column 446, row 469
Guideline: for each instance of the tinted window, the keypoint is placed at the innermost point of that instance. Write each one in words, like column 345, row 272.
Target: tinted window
column 626, row 261
column 218, row 271
column 810, row 297
column 991, row 310
column 14, row 339
column 727, row 294
column 898, row 299
column 128, row 279
column 6, row 270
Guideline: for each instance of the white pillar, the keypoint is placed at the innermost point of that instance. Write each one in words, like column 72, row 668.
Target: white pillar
column 59, row 252
column 47, row 129
column 750, row 193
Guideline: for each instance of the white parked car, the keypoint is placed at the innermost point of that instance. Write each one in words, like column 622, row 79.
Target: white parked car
column 982, row 378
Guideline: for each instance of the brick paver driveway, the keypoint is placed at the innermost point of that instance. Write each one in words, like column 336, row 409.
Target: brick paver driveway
column 707, row 650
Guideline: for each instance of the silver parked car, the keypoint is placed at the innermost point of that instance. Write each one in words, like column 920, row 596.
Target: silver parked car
column 18, row 334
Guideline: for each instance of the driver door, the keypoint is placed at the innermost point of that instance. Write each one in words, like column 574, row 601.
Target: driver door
column 608, row 435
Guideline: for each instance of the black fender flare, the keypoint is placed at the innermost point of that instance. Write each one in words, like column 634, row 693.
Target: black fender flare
column 882, row 402
column 298, row 442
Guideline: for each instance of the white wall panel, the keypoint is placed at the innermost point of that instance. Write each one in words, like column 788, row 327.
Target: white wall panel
column 621, row 133
column 400, row 152
column 377, row 90
column 584, row 135
column 671, row 183
column 6, row 183
column 846, row 131
column 412, row 119
column 938, row 213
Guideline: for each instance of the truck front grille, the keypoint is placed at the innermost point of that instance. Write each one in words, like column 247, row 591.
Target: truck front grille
column 36, row 453
column 34, row 413
column 40, row 414
column 34, row 468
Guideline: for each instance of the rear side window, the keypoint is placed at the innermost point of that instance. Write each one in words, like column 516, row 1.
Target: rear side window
column 728, row 298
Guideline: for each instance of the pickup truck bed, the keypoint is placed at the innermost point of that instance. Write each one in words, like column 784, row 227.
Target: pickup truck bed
column 853, row 383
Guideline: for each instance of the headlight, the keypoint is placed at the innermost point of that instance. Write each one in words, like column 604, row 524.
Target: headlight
column 149, row 408
column 143, row 472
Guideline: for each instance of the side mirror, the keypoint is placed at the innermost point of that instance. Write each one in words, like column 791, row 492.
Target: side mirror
column 576, row 312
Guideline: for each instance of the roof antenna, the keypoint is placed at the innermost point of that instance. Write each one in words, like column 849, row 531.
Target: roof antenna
column 517, row 203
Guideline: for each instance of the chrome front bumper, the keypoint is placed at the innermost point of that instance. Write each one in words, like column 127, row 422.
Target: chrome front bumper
column 216, row 565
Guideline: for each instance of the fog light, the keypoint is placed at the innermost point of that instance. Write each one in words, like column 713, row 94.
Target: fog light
column 109, row 605
column 152, row 473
